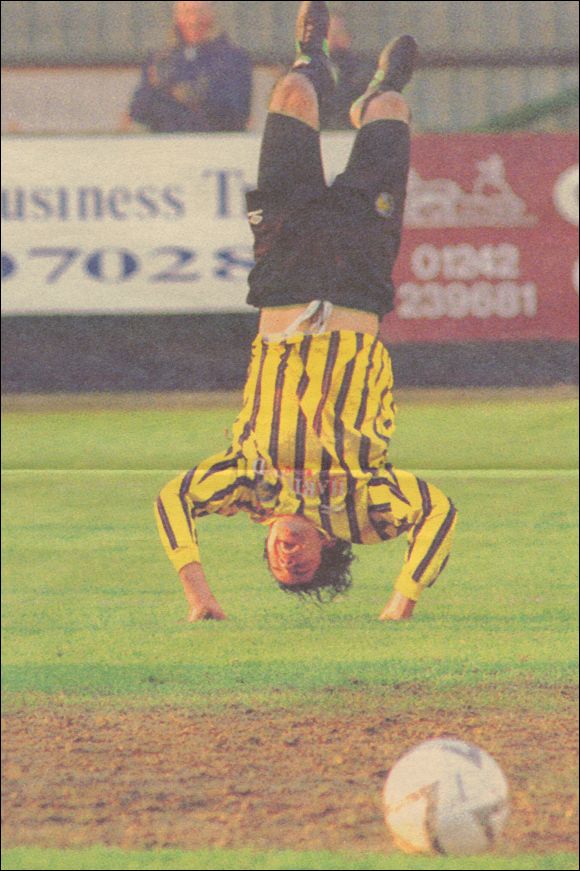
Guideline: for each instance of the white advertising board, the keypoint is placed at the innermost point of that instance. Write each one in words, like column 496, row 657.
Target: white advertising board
column 158, row 224
column 129, row 224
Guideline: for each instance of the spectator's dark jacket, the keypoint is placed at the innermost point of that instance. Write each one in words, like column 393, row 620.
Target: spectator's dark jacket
column 195, row 88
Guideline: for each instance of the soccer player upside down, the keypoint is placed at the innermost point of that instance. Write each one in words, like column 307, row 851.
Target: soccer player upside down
column 308, row 457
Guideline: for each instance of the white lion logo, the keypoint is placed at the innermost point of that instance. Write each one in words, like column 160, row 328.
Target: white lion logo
column 443, row 203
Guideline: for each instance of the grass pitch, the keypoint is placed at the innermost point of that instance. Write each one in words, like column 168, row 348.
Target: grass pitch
column 105, row 860
column 93, row 614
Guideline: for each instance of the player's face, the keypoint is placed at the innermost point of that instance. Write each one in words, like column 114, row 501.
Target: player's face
column 294, row 549
column 195, row 20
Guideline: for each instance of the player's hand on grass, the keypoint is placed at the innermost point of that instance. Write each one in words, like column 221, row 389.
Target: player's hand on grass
column 203, row 605
column 208, row 611
column 399, row 607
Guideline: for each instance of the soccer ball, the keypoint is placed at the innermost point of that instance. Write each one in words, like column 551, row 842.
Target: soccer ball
column 448, row 797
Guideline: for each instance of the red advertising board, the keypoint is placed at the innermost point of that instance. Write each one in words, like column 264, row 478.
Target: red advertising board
column 490, row 248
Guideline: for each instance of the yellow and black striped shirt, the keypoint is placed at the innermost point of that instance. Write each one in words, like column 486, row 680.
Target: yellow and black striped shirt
column 312, row 438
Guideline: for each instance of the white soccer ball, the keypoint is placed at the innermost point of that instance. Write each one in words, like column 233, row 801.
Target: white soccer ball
column 446, row 796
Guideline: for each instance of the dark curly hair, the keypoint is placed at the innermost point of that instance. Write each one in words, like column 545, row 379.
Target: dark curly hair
column 331, row 578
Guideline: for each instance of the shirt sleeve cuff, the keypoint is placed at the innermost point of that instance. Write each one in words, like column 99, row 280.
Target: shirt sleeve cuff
column 183, row 556
column 407, row 586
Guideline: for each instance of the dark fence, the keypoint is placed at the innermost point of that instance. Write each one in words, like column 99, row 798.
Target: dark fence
column 490, row 33
column 211, row 352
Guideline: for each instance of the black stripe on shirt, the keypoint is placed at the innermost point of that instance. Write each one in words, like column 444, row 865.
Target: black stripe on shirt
column 365, row 442
column 377, row 482
column 251, row 424
column 426, row 509
column 364, row 456
column 393, row 484
column 366, row 389
column 324, row 509
column 277, row 409
column 385, row 506
column 339, row 434
column 242, row 481
column 183, row 491
column 379, row 523
column 331, row 359
column 304, row 378
column 443, row 567
column 222, row 466
column 444, row 531
column 383, row 438
column 301, row 426
column 166, row 525
column 381, row 369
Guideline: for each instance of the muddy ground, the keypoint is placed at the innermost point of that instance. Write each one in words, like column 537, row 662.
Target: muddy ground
column 261, row 779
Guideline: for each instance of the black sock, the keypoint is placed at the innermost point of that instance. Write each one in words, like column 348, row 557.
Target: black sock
column 319, row 75
column 379, row 160
column 290, row 155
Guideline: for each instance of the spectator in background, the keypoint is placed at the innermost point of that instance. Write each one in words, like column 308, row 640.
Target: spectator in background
column 202, row 82
column 353, row 74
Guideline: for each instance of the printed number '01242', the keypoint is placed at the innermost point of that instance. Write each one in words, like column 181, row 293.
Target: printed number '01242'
column 466, row 263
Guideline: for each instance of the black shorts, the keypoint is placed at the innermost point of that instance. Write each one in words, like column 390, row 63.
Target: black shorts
column 336, row 243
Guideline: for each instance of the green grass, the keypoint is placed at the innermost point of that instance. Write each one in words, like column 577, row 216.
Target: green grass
column 95, row 860
column 91, row 607
column 93, row 612
column 501, row 434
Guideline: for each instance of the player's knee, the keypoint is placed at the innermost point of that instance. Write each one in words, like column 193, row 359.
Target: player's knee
column 294, row 95
column 389, row 106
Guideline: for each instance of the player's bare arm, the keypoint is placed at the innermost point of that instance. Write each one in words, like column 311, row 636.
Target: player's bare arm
column 399, row 607
column 203, row 605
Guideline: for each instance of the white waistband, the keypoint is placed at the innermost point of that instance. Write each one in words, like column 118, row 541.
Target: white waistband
column 317, row 313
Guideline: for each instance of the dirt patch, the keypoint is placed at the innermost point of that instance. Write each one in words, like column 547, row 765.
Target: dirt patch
column 247, row 778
